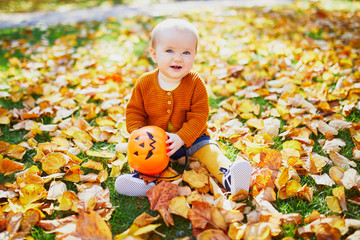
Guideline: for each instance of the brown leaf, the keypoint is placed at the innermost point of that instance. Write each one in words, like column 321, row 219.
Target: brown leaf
column 160, row 197
column 200, row 214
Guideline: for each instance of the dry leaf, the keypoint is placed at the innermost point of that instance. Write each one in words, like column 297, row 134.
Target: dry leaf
column 92, row 226
column 212, row 234
column 8, row 166
column 160, row 197
column 200, row 214
column 179, row 206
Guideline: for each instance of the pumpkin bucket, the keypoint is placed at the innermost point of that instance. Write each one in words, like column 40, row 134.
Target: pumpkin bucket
column 147, row 150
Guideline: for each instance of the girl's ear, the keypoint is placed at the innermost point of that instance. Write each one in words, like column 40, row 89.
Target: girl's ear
column 153, row 55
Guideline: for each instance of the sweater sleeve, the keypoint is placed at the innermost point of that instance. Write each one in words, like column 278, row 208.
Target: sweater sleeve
column 135, row 111
column 196, row 118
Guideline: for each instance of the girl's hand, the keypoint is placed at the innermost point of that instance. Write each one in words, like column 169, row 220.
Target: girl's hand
column 175, row 142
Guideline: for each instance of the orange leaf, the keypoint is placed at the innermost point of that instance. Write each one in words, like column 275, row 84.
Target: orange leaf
column 8, row 166
column 52, row 162
column 92, row 226
column 200, row 214
column 270, row 158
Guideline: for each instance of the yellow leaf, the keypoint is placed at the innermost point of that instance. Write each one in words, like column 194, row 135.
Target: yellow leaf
column 179, row 206
column 293, row 144
column 101, row 154
column 146, row 229
column 236, row 231
column 93, row 165
column 194, row 179
column 31, row 193
column 66, row 201
column 245, row 106
column 333, row 204
column 5, row 119
column 212, row 234
column 256, row 123
column 292, row 187
column 339, row 192
column 104, row 121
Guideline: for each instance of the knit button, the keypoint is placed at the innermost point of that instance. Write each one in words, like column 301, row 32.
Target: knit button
column 169, row 102
column 169, row 93
column 168, row 111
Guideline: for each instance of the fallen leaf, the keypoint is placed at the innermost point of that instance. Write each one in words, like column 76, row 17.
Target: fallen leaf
column 212, row 234
column 179, row 206
column 92, row 226
column 160, row 197
column 260, row 231
column 194, row 179
column 200, row 214
column 8, row 166
column 56, row 189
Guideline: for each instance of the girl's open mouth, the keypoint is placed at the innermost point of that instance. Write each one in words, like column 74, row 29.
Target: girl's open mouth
column 176, row 67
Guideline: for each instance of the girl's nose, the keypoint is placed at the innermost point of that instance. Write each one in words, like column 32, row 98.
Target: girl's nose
column 178, row 56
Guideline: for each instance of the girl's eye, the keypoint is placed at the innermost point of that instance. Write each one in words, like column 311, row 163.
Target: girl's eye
column 187, row 53
column 169, row 51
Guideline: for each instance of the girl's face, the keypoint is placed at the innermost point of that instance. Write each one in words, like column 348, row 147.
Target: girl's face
column 174, row 53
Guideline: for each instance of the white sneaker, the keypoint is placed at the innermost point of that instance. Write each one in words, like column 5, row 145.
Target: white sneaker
column 238, row 176
column 131, row 185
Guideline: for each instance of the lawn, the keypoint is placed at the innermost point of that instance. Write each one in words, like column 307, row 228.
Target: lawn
column 284, row 92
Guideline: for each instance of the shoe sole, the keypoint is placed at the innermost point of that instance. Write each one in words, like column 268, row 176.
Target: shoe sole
column 131, row 186
column 242, row 178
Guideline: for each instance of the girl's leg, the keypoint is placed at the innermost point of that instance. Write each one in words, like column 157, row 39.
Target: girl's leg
column 211, row 156
column 234, row 176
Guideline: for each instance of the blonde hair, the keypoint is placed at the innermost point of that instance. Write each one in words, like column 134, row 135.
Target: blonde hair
column 173, row 23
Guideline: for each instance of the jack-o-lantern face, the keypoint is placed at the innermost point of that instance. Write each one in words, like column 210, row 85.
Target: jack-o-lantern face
column 147, row 150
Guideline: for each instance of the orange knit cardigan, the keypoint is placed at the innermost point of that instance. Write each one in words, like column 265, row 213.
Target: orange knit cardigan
column 187, row 106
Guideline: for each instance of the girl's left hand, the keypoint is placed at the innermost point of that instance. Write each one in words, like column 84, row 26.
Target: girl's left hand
column 175, row 142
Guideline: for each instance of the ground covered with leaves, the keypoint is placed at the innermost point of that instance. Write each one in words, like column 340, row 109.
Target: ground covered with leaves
column 284, row 92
